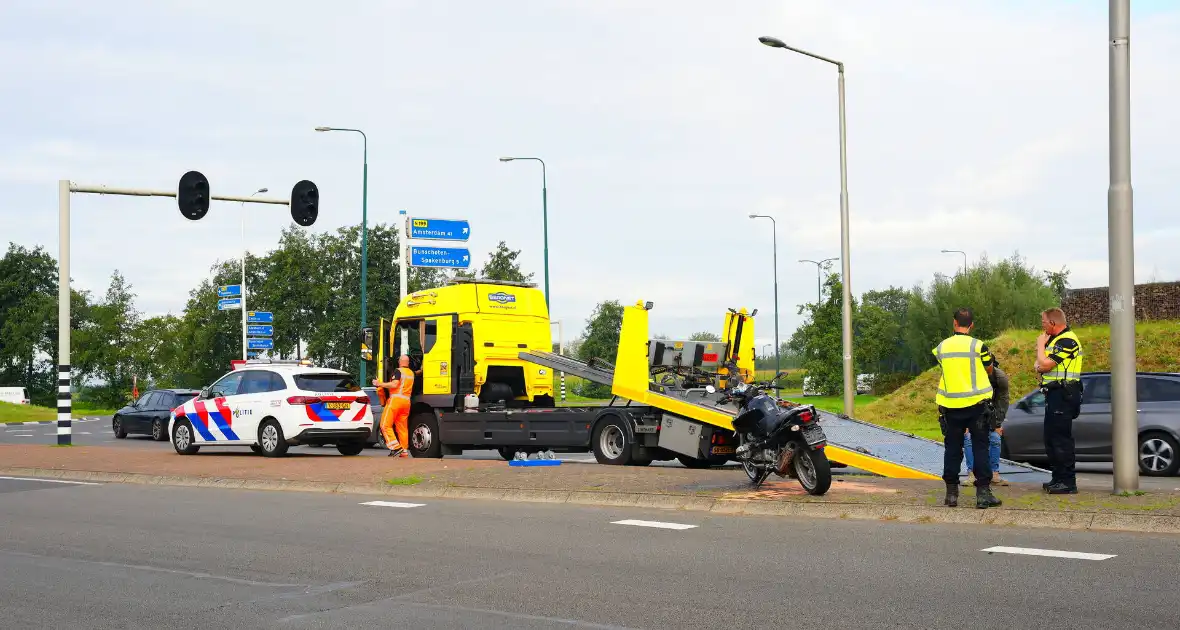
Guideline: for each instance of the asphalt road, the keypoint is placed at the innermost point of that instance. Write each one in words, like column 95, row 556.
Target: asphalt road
column 96, row 431
column 116, row 556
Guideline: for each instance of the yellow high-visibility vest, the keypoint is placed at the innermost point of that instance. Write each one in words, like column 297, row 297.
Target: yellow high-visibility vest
column 964, row 379
column 1069, row 360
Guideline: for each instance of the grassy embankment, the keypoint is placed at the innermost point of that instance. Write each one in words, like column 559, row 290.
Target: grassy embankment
column 911, row 408
column 10, row 413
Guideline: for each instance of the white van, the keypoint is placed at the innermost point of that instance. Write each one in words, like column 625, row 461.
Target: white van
column 15, row 395
column 808, row 390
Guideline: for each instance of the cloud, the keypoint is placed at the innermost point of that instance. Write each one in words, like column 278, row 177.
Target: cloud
column 971, row 126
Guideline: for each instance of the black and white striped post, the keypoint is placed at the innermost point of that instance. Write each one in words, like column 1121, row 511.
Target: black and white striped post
column 64, row 402
column 193, row 198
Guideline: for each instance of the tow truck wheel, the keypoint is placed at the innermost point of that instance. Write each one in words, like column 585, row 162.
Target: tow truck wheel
column 424, row 438
column 612, row 443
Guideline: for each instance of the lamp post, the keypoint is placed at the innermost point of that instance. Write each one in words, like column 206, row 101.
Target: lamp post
column 245, row 348
column 364, row 234
column 846, row 314
column 544, row 216
column 819, row 292
column 774, row 240
column 958, row 251
column 1121, row 231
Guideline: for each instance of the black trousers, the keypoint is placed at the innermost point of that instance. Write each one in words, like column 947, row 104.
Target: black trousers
column 1060, row 410
column 953, row 422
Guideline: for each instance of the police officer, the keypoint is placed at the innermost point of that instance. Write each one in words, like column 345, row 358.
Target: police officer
column 964, row 401
column 1059, row 362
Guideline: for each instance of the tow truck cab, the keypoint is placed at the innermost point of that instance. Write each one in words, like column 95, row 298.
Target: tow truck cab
column 466, row 338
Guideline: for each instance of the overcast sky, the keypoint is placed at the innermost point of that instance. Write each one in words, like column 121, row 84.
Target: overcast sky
column 979, row 126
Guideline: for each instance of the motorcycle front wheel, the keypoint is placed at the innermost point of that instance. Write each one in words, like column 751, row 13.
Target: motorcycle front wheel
column 813, row 471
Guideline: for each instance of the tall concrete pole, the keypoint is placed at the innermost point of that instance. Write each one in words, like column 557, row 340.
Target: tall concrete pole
column 64, row 399
column 1122, row 255
column 846, row 264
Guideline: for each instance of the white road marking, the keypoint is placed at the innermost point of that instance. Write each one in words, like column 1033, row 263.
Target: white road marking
column 1051, row 553
column 76, row 483
column 393, row 504
column 30, row 423
column 23, row 435
column 653, row 524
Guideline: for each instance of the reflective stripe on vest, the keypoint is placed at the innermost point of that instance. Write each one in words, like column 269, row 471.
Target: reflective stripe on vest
column 961, row 384
column 1069, row 369
column 406, row 382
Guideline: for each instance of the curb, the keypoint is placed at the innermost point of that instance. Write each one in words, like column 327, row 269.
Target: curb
column 1091, row 521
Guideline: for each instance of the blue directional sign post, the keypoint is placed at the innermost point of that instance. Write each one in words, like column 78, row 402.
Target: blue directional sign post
column 439, row 229
column 260, row 317
column 228, row 304
column 445, row 257
column 229, row 290
column 260, row 330
column 261, row 344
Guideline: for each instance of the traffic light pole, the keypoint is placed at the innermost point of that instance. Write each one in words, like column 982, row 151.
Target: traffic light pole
column 64, row 189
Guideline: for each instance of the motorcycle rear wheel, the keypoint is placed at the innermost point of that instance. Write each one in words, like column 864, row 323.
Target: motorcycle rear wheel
column 813, row 470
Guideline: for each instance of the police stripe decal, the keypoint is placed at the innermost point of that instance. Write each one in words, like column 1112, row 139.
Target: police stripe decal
column 224, row 418
column 202, row 422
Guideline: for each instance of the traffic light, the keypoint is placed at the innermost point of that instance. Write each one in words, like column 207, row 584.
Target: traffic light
column 192, row 195
column 305, row 203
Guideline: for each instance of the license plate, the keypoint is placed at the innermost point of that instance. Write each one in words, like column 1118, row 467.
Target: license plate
column 338, row 405
column 813, row 435
column 722, row 450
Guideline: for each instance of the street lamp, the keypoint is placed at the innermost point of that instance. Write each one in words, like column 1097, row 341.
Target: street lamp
column 245, row 348
column 846, row 315
column 544, row 215
column 819, row 293
column 774, row 240
column 364, row 235
column 958, row 251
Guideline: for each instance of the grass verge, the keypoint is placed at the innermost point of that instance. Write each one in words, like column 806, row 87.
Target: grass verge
column 1157, row 349
column 10, row 413
column 408, row 480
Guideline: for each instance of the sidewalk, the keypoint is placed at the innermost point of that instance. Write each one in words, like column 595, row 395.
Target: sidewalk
column 721, row 491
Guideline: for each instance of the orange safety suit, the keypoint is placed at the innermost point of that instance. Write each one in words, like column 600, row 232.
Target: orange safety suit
column 397, row 411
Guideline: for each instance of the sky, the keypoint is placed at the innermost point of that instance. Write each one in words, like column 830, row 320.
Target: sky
column 977, row 126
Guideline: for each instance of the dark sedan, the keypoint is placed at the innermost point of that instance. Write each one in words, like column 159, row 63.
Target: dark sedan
column 1158, row 396
column 149, row 415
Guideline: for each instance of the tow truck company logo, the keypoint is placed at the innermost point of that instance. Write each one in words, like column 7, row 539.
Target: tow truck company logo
column 500, row 297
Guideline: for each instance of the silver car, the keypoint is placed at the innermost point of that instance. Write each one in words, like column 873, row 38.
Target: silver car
column 1158, row 396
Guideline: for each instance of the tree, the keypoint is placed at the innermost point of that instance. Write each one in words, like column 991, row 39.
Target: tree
column 818, row 340
column 104, row 345
column 600, row 340
column 502, row 265
column 1058, row 281
column 704, row 336
column 28, row 321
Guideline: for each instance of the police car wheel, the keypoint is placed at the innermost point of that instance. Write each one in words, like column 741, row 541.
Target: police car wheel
column 182, row 438
column 270, row 438
column 350, row 448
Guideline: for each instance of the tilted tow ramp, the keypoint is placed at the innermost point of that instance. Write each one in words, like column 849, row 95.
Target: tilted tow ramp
column 851, row 442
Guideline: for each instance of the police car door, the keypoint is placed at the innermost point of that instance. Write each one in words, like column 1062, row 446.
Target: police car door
column 249, row 406
column 214, row 421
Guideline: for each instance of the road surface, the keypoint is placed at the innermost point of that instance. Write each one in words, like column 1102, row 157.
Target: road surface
column 117, row 556
column 96, row 431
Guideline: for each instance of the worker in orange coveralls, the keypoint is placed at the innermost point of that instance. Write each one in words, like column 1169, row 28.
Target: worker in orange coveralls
column 397, row 408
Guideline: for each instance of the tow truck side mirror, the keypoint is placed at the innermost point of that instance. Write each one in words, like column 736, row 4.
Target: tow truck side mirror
column 367, row 344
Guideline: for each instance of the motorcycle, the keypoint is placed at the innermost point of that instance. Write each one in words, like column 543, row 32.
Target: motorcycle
column 773, row 438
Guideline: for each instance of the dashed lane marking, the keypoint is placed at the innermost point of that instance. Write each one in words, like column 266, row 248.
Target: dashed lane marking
column 1050, row 553
column 396, row 504
column 657, row 524
column 73, row 483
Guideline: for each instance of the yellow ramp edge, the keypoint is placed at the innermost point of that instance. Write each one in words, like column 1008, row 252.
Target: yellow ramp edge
column 632, row 380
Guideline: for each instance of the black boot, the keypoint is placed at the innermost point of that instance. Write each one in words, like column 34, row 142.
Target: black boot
column 952, row 495
column 1061, row 487
column 985, row 499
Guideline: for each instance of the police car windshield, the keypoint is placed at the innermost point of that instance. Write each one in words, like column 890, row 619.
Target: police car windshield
column 326, row 383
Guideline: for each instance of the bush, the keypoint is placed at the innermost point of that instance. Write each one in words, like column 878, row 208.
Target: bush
column 888, row 383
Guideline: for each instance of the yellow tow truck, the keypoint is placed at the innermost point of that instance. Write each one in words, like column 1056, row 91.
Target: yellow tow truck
column 484, row 356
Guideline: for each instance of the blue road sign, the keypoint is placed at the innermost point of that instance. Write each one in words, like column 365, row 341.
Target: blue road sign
column 260, row 344
column 260, row 317
column 229, row 303
column 229, row 290
column 453, row 257
column 260, row 330
column 252, row 355
column 439, row 229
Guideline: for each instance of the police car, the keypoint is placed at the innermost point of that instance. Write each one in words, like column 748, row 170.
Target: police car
column 271, row 405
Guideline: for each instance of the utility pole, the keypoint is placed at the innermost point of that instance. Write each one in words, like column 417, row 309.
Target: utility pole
column 774, row 240
column 819, row 264
column 1119, row 206
column 958, row 251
